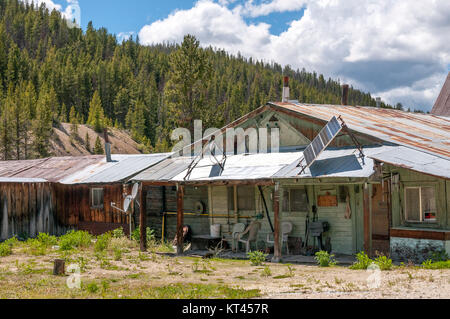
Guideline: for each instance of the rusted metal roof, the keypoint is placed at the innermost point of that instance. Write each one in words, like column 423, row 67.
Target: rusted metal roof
column 51, row 169
column 78, row 170
column 423, row 132
column 442, row 105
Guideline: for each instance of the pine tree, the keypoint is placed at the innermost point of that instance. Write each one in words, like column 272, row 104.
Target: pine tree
column 96, row 116
column 42, row 125
column 189, row 71
column 87, row 142
column 98, row 148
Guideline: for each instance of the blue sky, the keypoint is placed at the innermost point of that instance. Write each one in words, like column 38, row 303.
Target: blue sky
column 120, row 16
column 395, row 49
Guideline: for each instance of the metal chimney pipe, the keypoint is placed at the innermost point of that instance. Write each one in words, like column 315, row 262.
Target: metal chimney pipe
column 285, row 97
column 107, row 147
column 345, row 89
column 378, row 102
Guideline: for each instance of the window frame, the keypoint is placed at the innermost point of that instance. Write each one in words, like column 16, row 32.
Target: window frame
column 102, row 205
column 289, row 191
column 421, row 214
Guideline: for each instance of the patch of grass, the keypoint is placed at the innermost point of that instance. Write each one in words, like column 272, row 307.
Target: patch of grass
column 5, row 250
column 92, row 288
column 257, row 258
column 429, row 264
column 75, row 239
column 201, row 291
column 102, row 242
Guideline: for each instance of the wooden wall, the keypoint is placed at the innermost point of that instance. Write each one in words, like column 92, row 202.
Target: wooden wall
column 27, row 209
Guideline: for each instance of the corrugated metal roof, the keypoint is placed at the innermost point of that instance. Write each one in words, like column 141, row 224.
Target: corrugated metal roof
column 424, row 132
column 21, row 180
column 415, row 161
column 51, row 169
column 121, row 168
column 78, row 170
column 331, row 163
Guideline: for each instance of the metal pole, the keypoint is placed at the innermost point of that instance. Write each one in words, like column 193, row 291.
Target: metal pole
column 276, row 213
column 143, row 218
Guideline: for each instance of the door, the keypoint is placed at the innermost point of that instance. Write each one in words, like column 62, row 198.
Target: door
column 381, row 215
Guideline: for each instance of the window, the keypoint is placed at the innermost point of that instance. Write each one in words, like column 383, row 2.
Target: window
column 97, row 197
column 295, row 200
column 420, row 204
column 246, row 198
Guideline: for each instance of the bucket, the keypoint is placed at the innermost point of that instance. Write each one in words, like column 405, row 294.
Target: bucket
column 215, row 230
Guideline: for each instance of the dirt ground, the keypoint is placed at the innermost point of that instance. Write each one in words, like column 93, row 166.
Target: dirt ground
column 156, row 275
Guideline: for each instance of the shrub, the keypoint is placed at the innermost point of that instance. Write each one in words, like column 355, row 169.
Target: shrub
column 324, row 259
column 438, row 256
column 363, row 261
column 136, row 235
column 384, row 263
column 47, row 240
column 266, row 272
column 102, row 242
column 92, row 287
column 118, row 233
column 257, row 258
column 5, row 250
column 75, row 239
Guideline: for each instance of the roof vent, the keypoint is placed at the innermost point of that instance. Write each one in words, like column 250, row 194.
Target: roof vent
column 345, row 88
column 378, row 99
column 285, row 89
column 107, row 147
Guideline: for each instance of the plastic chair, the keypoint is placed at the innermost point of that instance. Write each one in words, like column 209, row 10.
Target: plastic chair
column 286, row 229
column 252, row 231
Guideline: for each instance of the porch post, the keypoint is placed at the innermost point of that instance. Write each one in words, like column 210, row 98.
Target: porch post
column 366, row 207
column 143, row 218
column 276, row 213
column 180, row 219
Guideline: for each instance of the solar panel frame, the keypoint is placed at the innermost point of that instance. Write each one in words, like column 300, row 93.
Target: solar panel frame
column 322, row 141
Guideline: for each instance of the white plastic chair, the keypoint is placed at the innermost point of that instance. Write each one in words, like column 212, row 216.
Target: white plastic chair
column 252, row 232
column 237, row 229
column 286, row 229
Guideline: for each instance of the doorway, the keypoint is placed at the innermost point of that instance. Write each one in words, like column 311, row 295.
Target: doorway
column 381, row 216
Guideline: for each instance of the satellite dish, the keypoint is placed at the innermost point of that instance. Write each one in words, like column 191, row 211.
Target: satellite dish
column 126, row 203
column 135, row 190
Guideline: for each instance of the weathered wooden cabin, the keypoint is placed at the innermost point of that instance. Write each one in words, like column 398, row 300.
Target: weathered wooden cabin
column 395, row 199
column 55, row 195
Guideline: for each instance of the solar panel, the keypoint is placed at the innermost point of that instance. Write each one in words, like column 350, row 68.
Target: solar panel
column 321, row 142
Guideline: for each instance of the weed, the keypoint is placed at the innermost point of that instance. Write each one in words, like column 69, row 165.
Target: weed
column 438, row 256
column 338, row 281
column 5, row 250
column 102, row 242
column 324, row 259
column 200, row 291
column 429, row 264
column 92, row 288
column 266, row 272
column 384, row 263
column 118, row 233
column 363, row 261
column 75, row 239
column 117, row 254
column 136, row 235
column 257, row 258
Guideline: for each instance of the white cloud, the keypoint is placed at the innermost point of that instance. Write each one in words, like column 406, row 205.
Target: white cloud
column 256, row 10
column 123, row 36
column 398, row 49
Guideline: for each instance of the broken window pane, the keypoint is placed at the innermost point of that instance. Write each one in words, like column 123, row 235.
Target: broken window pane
column 412, row 204
column 97, row 197
column 428, row 204
column 285, row 201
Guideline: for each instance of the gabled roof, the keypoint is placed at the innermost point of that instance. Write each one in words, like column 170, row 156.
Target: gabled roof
column 442, row 105
column 423, row 132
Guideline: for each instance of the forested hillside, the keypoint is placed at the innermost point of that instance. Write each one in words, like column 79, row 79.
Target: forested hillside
column 52, row 74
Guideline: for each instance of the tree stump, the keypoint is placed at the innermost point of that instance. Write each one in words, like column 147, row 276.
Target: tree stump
column 59, row 267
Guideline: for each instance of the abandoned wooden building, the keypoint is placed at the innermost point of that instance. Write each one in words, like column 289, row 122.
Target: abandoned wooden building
column 54, row 195
column 382, row 185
